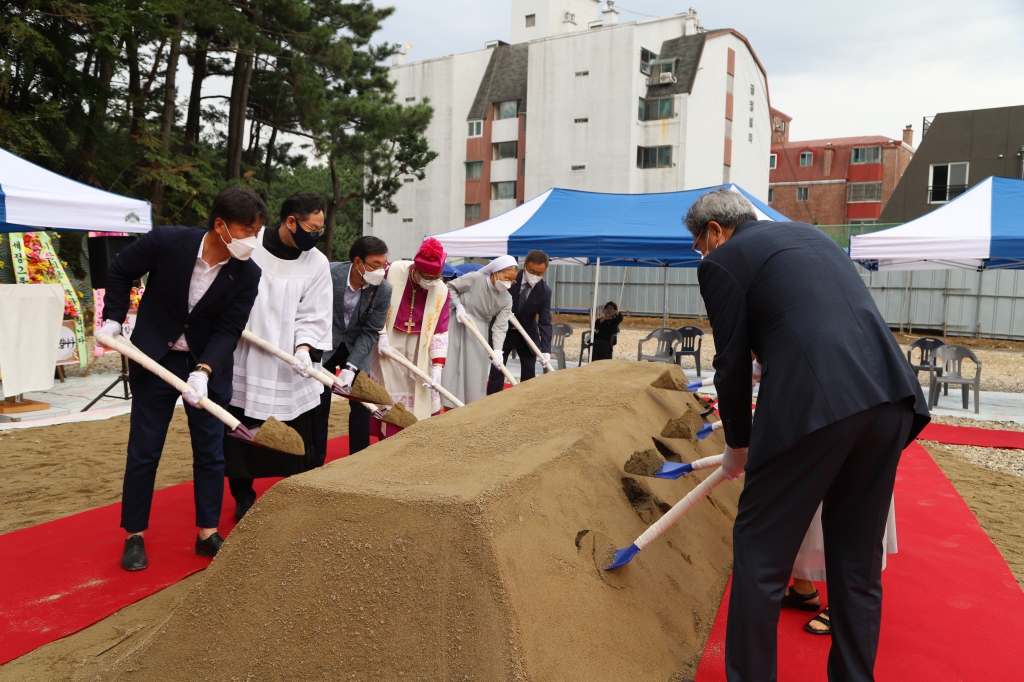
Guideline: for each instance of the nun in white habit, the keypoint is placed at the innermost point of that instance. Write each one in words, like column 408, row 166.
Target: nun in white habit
column 479, row 295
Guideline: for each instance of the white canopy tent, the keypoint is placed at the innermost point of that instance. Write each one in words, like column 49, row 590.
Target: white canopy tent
column 33, row 198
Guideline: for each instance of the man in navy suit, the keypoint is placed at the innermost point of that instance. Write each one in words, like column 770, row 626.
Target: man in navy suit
column 199, row 292
column 531, row 304
column 837, row 405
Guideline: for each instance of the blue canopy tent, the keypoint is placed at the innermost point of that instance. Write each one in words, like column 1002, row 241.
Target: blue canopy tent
column 466, row 268
column 592, row 227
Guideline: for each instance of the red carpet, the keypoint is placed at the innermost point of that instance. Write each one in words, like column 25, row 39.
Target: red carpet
column 951, row 607
column 64, row 575
column 970, row 435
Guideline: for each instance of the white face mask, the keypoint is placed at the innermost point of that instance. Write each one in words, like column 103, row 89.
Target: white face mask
column 427, row 283
column 373, row 277
column 532, row 279
column 503, row 284
column 240, row 248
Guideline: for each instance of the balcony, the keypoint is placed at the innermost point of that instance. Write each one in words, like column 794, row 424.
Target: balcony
column 940, row 194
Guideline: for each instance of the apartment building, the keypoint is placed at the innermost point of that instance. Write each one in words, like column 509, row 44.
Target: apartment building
column 583, row 101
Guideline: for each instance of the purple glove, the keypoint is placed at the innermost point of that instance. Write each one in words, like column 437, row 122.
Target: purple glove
column 733, row 462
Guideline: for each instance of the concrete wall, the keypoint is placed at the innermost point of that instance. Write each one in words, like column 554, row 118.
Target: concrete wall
column 550, row 17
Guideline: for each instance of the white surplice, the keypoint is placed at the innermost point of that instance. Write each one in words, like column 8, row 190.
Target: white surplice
column 295, row 306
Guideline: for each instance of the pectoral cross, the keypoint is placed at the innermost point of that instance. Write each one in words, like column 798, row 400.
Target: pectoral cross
column 409, row 323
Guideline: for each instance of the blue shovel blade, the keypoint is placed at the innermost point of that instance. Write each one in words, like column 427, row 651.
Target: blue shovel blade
column 694, row 385
column 673, row 470
column 705, row 431
column 623, row 557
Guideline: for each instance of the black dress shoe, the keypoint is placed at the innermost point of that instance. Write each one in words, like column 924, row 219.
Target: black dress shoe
column 242, row 506
column 210, row 546
column 134, row 556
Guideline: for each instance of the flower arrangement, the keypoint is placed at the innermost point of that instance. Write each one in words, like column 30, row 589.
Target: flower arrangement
column 37, row 261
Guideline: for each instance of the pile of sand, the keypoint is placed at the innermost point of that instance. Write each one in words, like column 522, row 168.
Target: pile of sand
column 685, row 425
column 369, row 390
column 279, row 436
column 399, row 416
column 470, row 547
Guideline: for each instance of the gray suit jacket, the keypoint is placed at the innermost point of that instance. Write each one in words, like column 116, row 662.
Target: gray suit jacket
column 369, row 317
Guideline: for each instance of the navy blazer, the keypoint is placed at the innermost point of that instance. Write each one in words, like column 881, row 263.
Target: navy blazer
column 790, row 294
column 534, row 315
column 213, row 327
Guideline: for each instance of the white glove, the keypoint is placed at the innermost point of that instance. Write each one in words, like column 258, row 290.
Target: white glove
column 733, row 462
column 460, row 310
column 110, row 328
column 346, row 378
column 497, row 360
column 755, row 374
column 545, row 358
column 304, row 362
column 435, row 374
column 197, row 381
column 382, row 342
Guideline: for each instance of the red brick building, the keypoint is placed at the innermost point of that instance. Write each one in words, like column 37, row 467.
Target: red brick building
column 834, row 181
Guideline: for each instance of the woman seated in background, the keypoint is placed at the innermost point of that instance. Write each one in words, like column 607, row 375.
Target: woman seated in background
column 605, row 330
column 477, row 296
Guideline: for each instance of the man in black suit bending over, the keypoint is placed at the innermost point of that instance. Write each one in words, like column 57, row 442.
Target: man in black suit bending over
column 531, row 304
column 837, row 405
column 200, row 290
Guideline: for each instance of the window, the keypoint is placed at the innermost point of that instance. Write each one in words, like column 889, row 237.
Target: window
column 580, row 120
column 474, row 169
column 771, row 194
column 782, row 127
column 582, row 73
column 773, row 161
column 472, row 212
column 866, row 155
column 504, row 150
column 801, row 193
column 806, row 158
column 522, row 166
column 407, row 180
column 948, row 182
column 410, row 99
column 726, row 174
column 655, row 109
column 750, row 137
column 728, row 129
column 531, row 21
column 751, row 122
column 476, row 128
column 506, row 110
column 751, row 89
column 751, row 105
column 729, row 81
column 503, row 190
column 406, row 220
column 646, row 57
column 578, row 168
column 864, row 221
column 653, row 157
column 863, row 192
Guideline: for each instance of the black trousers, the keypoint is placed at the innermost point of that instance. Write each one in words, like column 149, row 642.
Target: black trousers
column 358, row 416
column 244, row 462
column 153, row 402
column 851, row 466
column 527, row 363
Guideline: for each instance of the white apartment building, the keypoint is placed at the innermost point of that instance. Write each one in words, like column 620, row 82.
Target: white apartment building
column 581, row 101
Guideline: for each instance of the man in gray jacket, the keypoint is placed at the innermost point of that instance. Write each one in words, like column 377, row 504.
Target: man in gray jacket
column 361, row 300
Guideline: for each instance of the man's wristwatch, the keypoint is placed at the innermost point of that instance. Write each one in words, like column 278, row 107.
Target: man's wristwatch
column 204, row 369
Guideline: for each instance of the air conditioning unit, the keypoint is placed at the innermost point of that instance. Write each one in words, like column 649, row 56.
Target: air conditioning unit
column 661, row 79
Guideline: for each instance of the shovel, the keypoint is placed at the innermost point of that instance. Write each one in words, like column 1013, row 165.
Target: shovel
column 673, row 470
column 624, row 556
column 530, row 343
column 237, row 429
column 471, row 326
column 697, row 385
column 405, row 362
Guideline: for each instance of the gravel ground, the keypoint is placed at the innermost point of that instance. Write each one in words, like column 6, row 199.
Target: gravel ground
column 965, row 421
column 995, row 459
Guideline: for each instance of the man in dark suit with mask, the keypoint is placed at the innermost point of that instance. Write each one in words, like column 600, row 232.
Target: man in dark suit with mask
column 837, row 405
column 200, row 290
column 531, row 304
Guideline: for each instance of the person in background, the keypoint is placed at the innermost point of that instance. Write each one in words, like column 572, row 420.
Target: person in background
column 292, row 312
column 531, row 304
column 478, row 296
column 416, row 327
column 834, row 414
column 361, row 300
column 605, row 328
column 200, row 290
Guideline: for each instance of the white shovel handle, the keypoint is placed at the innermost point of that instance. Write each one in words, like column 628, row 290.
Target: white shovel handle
column 324, row 378
column 530, row 343
column 156, row 368
column 680, row 508
column 405, row 362
column 471, row 326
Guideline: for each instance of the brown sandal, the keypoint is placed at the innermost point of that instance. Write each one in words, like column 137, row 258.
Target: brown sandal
column 822, row 618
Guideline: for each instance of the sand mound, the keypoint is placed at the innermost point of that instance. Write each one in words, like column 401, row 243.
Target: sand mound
column 684, row 426
column 399, row 416
column 672, row 379
column 279, row 436
column 469, row 548
column 644, row 462
column 367, row 389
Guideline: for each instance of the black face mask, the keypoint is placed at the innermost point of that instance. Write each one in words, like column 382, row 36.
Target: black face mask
column 305, row 240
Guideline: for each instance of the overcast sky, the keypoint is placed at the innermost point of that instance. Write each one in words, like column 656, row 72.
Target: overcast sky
column 838, row 68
